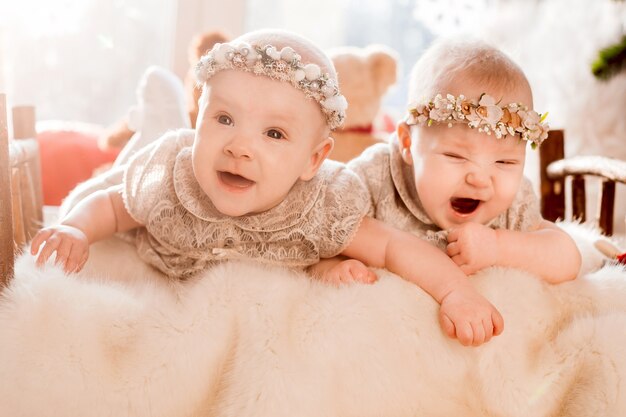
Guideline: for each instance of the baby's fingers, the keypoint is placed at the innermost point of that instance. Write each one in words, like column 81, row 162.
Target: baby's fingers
column 76, row 259
column 39, row 238
column 63, row 251
column 498, row 322
column 453, row 249
column 464, row 333
column 447, row 325
column 49, row 247
column 361, row 273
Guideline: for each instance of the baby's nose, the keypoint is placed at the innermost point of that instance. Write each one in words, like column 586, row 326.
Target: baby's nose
column 478, row 178
column 238, row 148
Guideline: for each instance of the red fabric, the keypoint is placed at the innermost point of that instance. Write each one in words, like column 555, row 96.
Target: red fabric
column 68, row 157
column 359, row 129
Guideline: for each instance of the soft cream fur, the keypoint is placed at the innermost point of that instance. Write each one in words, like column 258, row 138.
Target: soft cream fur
column 244, row 340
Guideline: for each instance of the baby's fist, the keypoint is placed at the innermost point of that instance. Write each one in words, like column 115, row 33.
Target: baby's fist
column 349, row 271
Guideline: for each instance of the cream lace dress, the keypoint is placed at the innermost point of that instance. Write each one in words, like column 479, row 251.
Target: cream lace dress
column 184, row 232
column 394, row 198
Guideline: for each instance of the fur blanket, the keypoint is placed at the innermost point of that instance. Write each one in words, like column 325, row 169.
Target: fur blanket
column 245, row 340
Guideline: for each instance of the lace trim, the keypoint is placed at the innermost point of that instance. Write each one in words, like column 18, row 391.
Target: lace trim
column 403, row 180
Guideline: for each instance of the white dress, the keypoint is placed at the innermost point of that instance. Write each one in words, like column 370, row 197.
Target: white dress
column 184, row 232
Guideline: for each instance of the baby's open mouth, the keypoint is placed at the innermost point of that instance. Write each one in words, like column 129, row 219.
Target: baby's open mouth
column 234, row 180
column 464, row 205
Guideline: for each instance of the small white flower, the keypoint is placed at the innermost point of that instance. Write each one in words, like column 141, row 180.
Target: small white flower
column 299, row 75
column 221, row 53
column 327, row 90
column 272, row 53
column 530, row 119
column 252, row 57
column 312, row 72
column 336, row 103
column 287, row 54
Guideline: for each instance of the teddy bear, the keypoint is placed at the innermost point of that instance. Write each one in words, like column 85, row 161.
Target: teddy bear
column 158, row 102
column 365, row 75
column 199, row 46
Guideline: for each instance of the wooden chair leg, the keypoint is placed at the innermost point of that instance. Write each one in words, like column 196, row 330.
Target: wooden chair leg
column 19, row 230
column 607, row 199
column 552, row 190
column 578, row 198
column 7, row 249
column 24, row 128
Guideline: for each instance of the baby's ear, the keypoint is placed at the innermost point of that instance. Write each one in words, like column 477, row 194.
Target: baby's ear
column 404, row 142
column 320, row 153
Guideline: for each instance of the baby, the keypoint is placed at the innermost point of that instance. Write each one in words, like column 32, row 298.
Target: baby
column 252, row 183
column 453, row 174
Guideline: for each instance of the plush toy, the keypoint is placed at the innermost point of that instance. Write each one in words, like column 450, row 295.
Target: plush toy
column 157, row 92
column 365, row 75
column 199, row 46
column 612, row 252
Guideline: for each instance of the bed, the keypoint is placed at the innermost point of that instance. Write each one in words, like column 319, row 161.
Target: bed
column 244, row 340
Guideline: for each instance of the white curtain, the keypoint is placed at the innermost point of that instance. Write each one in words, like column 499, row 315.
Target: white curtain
column 80, row 60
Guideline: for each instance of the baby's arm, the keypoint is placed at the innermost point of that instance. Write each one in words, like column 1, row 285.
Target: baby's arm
column 548, row 251
column 96, row 217
column 464, row 313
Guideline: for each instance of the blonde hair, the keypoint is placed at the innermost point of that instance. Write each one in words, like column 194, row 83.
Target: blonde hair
column 451, row 60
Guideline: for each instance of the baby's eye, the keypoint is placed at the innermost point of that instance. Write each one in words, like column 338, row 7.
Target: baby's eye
column 507, row 162
column 453, row 156
column 225, row 120
column 275, row 134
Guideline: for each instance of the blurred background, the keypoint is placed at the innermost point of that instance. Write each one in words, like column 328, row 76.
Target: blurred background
column 80, row 60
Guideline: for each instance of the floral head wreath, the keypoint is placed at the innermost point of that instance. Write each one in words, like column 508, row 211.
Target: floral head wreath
column 485, row 114
column 283, row 65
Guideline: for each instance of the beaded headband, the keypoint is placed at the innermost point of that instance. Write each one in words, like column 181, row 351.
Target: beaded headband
column 283, row 65
column 485, row 114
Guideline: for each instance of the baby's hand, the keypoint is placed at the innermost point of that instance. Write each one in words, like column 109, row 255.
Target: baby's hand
column 469, row 317
column 71, row 246
column 349, row 271
column 473, row 246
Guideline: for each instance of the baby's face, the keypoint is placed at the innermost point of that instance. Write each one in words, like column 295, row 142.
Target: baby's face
column 255, row 138
column 463, row 175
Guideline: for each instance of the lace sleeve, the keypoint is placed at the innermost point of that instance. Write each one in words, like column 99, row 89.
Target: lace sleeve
column 346, row 202
column 525, row 212
column 369, row 167
column 147, row 176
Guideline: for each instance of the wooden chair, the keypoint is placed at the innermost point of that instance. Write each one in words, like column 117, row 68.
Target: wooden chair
column 556, row 169
column 21, row 196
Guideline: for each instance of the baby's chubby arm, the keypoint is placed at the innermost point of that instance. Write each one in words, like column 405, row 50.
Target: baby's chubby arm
column 464, row 313
column 547, row 251
column 97, row 217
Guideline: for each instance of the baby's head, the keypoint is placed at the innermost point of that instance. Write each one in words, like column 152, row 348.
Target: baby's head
column 470, row 118
column 269, row 102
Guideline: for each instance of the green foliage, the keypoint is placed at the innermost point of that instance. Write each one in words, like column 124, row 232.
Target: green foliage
column 610, row 61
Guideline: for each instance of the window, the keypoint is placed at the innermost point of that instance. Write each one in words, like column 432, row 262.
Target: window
column 80, row 60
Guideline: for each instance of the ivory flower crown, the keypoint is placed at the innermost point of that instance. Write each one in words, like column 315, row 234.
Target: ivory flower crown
column 485, row 114
column 283, row 65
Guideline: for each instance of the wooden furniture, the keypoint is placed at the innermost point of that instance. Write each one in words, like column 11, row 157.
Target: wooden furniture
column 555, row 169
column 21, row 197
